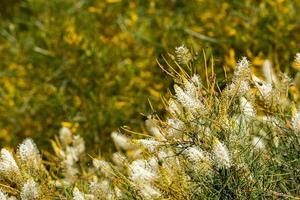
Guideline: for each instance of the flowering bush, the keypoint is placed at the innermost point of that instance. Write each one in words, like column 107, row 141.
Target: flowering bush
column 93, row 62
column 241, row 141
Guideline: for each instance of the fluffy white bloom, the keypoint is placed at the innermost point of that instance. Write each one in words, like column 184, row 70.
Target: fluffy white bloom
column 246, row 107
column 140, row 171
column 269, row 72
column 199, row 160
column 65, row 135
column 70, row 156
column 264, row 88
column 190, row 88
column 122, row 141
column 183, row 55
column 221, row 154
column 78, row 145
column 29, row 190
column 28, row 152
column 3, row 196
column 153, row 128
column 153, row 164
column 296, row 122
column 175, row 128
column 240, row 88
column 194, row 154
column 188, row 101
column 242, row 70
column 8, row 165
column 69, row 165
column 77, row 195
column 297, row 58
column 258, row 143
column 150, row 145
column 240, row 81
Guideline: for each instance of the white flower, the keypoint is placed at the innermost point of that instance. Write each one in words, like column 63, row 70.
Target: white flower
column 264, row 88
column 8, row 165
column 140, row 171
column 3, row 195
column 269, row 72
column 28, row 152
column 240, row 88
column 78, row 145
column 153, row 128
column 221, row 154
column 297, row 58
column 175, row 128
column 70, row 156
column 65, row 135
column 240, row 81
column 258, row 143
column 242, row 70
column 183, row 55
column 29, row 190
column 122, row 141
column 246, row 108
column 194, row 155
column 150, row 145
column 187, row 100
column 77, row 195
column 296, row 122
column 190, row 88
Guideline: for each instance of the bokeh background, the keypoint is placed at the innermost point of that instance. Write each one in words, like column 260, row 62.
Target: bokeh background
column 94, row 63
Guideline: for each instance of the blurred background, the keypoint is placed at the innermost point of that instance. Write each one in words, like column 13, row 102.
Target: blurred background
column 93, row 64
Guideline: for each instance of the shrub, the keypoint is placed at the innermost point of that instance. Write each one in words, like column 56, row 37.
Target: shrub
column 92, row 62
column 240, row 142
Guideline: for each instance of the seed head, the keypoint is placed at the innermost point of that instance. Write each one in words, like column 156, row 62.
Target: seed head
column 8, row 165
column 184, row 56
column 30, row 190
column 221, row 154
column 28, row 152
